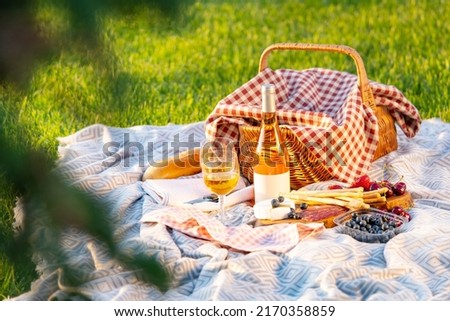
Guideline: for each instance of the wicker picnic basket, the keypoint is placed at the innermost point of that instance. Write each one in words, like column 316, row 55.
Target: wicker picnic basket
column 305, row 168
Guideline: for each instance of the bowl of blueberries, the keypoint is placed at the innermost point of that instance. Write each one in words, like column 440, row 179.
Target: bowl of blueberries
column 370, row 225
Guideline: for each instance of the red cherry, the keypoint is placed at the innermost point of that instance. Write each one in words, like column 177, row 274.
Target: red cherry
column 335, row 186
column 407, row 216
column 398, row 210
column 390, row 187
column 362, row 181
column 385, row 182
column 399, row 188
column 389, row 192
column 374, row 186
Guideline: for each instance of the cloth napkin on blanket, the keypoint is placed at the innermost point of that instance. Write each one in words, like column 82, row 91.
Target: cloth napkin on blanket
column 194, row 222
column 324, row 109
column 176, row 192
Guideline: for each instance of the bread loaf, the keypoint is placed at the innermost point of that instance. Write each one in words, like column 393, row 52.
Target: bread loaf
column 183, row 164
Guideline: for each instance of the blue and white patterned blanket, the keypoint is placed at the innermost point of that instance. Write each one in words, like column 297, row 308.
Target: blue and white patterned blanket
column 414, row 265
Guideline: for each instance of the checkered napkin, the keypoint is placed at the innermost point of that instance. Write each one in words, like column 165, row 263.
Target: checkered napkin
column 324, row 109
column 192, row 221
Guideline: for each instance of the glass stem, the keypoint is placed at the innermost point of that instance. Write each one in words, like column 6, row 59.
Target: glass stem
column 221, row 207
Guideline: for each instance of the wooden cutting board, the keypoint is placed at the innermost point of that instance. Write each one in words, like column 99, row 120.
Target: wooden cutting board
column 310, row 215
column 405, row 201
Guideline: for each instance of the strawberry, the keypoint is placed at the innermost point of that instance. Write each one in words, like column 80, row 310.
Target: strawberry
column 362, row 181
column 335, row 186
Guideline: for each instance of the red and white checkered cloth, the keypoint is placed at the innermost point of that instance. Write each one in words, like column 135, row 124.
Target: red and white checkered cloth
column 324, row 108
column 244, row 237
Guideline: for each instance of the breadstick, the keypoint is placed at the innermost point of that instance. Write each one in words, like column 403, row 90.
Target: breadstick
column 351, row 192
column 381, row 191
column 353, row 203
column 381, row 199
column 371, row 195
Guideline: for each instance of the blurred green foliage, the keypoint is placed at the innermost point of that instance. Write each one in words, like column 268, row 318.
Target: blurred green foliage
column 45, row 197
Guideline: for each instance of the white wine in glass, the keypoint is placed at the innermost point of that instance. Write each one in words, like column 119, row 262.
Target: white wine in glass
column 220, row 168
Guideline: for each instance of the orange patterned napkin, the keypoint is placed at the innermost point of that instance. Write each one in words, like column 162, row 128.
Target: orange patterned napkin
column 193, row 222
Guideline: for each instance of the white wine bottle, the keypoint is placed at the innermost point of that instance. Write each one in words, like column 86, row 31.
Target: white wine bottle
column 271, row 171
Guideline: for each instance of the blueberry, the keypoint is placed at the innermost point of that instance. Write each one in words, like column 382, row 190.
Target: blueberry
column 275, row 203
column 281, row 199
column 303, row 206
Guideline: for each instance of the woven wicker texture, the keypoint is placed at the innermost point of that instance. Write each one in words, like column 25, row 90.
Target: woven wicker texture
column 305, row 168
column 335, row 123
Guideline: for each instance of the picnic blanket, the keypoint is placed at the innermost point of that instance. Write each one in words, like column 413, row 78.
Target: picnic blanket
column 234, row 260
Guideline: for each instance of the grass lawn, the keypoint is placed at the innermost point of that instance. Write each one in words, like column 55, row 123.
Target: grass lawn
column 158, row 71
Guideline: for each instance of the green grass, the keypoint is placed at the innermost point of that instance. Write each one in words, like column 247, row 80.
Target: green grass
column 157, row 71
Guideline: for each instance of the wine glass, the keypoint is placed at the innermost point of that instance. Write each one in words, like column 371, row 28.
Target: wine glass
column 220, row 168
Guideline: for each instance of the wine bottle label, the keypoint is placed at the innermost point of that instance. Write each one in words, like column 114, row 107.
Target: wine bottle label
column 269, row 186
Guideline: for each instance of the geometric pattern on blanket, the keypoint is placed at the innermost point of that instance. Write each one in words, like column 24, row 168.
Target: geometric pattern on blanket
column 327, row 266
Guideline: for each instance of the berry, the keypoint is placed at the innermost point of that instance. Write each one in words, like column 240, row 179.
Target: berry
column 407, row 216
column 362, row 181
column 398, row 210
column 390, row 187
column 399, row 188
column 335, row 186
column 293, row 214
column 303, row 206
column 374, row 186
column 280, row 199
column 275, row 203
column 383, row 226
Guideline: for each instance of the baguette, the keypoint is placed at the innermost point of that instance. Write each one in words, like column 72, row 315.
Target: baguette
column 182, row 164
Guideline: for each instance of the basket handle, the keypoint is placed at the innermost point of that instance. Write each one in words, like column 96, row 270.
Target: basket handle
column 363, row 81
